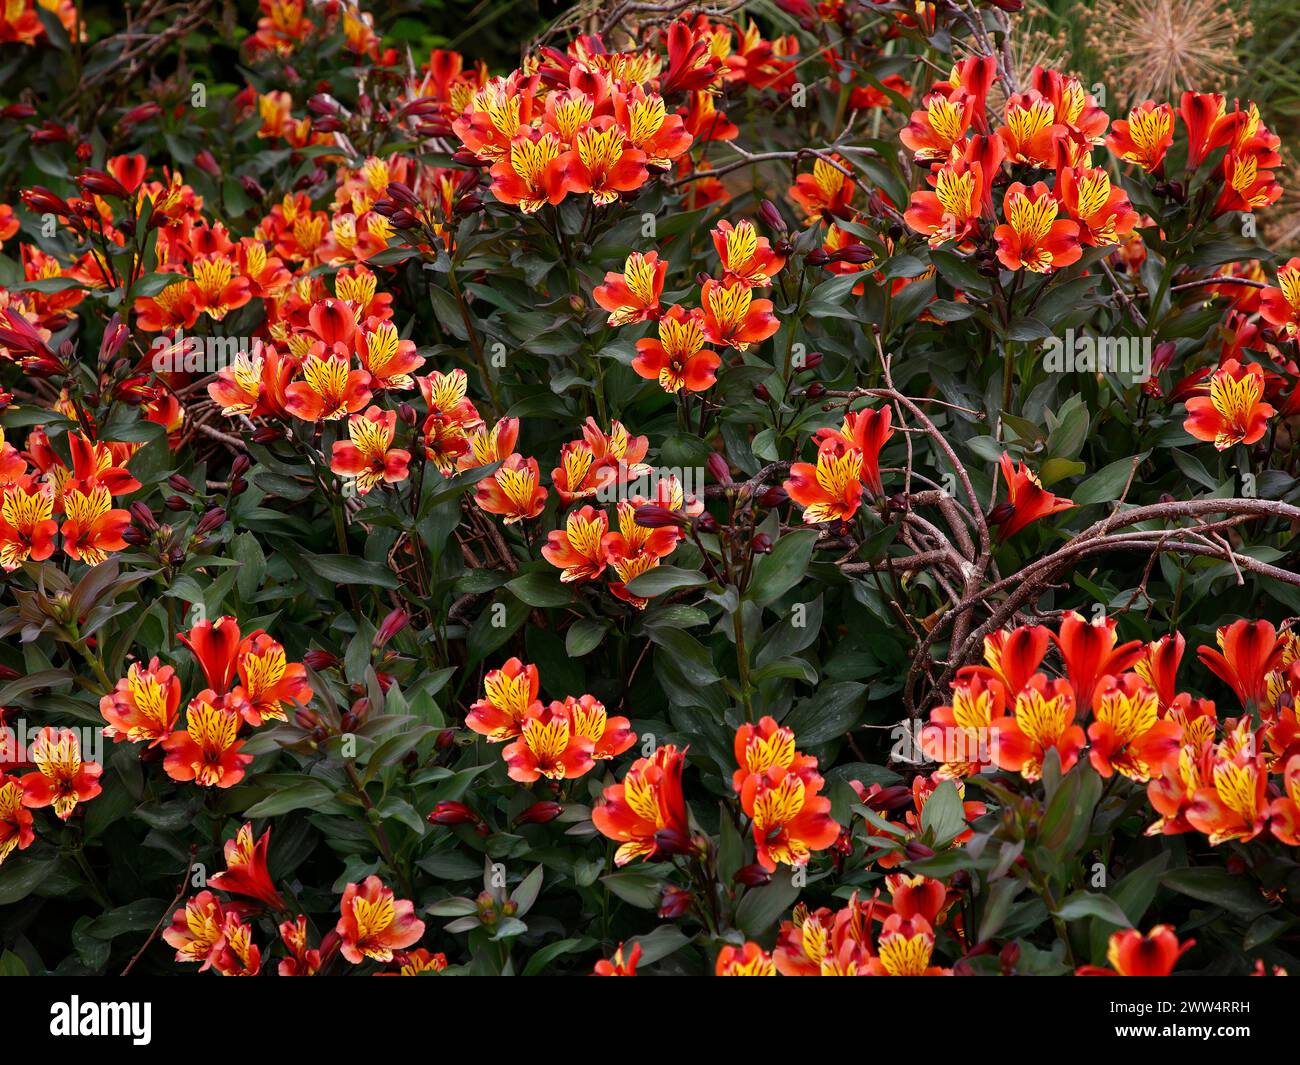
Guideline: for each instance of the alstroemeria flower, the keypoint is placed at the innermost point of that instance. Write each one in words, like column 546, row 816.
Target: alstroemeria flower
column 207, row 752
column 373, row 924
column 487, row 446
column 1028, row 499
column 831, row 490
column 197, row 930
column 26, row 526
column 91, row 527
column 760, row 747
column 678, row 359
column 790, row 819
column 1280, row 306
column 548, row 746
column 246, row 869
column 1131, row 953
column 1232, row 800
column 904, row 948
column 15, row 820
column 732, row 317
column 417, row 963
column 745, row 256
column 236, row 954
column 267, row 681
column 253, row 384
column 452, row 416
column 1234, row 411
column 302, row 961
column 218, row 286
column 598, row 461
column 1248, row 652
column 604, row 163
column 1145, row 136
column 62, row 779
column 1102, row 210
column 1032, row 133
column 825, row 192
column 868, row 431
column 633, row 295
column 749, row 960
column 609, row 736
column 368, row 456
column 510, row 698
column 1044, row 719
column 962, row 735
column 534, row 171
column 388, row 359
column 577, row 549
column 1284, row 811
column 953, row 210
column 216, row 646
column 931, row 132
column 1158, row 666
column 1128, row 737
column 143, row 706
column 330, row 389
column 512, row 491
column 647, row 810
column 1032, row 238
column 1090, row 653
column 649, row 128
column 622, row 963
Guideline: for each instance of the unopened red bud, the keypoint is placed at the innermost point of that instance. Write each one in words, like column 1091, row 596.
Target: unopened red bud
column 1008, row 957
column 669, row 841
column 706, row 523
column 812, row 360
column 43, row 201
column 783, row 247
column 718, row 467
column 328, row 124
column 762, row 544
column 240, row 466
column 98, row 183
column 772, row 497
column 915, row 851
column 453, row 813
column 445, row 739
column 212, row 519
column 18, row 111
column 540, row 813
column 207, row 162
column 857, row 254
column 653, row 516
column 403, row 195
column 238, row 486
column 762, row 394
column 143, row 516
column 180, row 483
column 702, row 278
column 141, row 113
column 817, row 257
column 322, row 104
column 891, row 798
column 175, row 503
column 752, row 875
column 318, row 660
column 135, row 537
column 771, row 216
column 407, row 413
column 815, row 390
column 267, row 434
column 404, row 219
column 465, row 157
column 252, row 187
column 394, row 623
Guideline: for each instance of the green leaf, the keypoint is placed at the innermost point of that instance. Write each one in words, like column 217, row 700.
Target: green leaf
column 664, row 579
column 1086, row 904
column 762, row 907
column 348, row 569
column 540, row 589
column 828, row 714
column 584, row 636
column 1107, row 484
column 787, row 564
column 1219, row 888
column 309, row 793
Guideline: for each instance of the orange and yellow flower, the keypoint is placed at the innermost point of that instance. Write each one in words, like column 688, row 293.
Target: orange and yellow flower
column 633, row 295
column 509, row 699
column 678, row 358
column 207, row 751
column 62, row 779
column 832, row 489
column 373, row 924
column 142, row 707
column 368, row 458
column 1234, row 411
column 512, row 491
column 646, row 813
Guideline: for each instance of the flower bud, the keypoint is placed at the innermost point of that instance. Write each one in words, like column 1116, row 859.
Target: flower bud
column 674, row 902
column 1002, row 512
column 772, row 217
column 540, row 813
column 318, row 660
column 453, row 813
column 175, row 503
column 211, row 520
column 396, row 621
column 762, row 544
column 267, row 434
column 653, row 516
column 718, row 467
column 706, row 523
column 772, row 497
column 752, row 875
column 762, row 394
column 916, row 850
column 817, row 257
column 240, row 466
